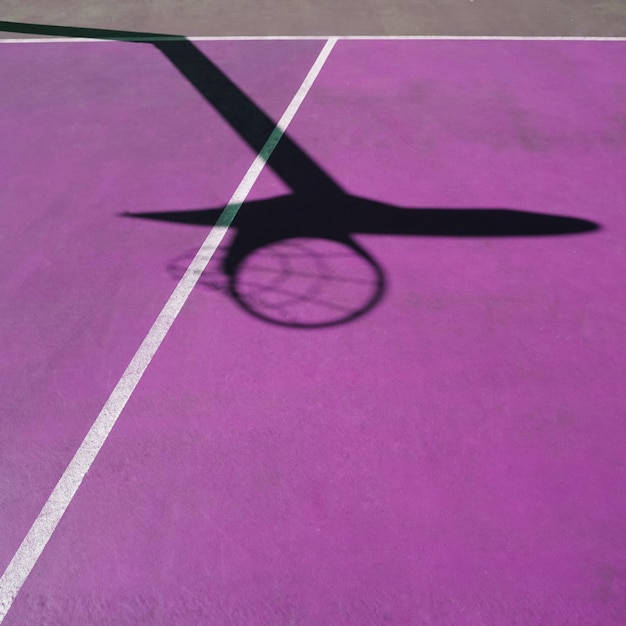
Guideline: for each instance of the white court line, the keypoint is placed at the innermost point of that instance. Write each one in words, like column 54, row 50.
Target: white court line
column 53, row 39
column 40, row 532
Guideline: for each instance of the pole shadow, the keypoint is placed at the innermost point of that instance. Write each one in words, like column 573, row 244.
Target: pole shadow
column 294, row 261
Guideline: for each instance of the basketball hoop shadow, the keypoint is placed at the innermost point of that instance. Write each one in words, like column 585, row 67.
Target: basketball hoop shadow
column 294, row 261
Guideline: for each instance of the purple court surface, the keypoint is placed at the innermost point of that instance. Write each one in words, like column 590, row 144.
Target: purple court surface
column 396, row 393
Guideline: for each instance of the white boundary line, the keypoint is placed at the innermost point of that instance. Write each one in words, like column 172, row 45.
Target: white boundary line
column 40, row 532
column 53, row 39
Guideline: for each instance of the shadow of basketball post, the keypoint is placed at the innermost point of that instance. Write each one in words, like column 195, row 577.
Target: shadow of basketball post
column 293, row 261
